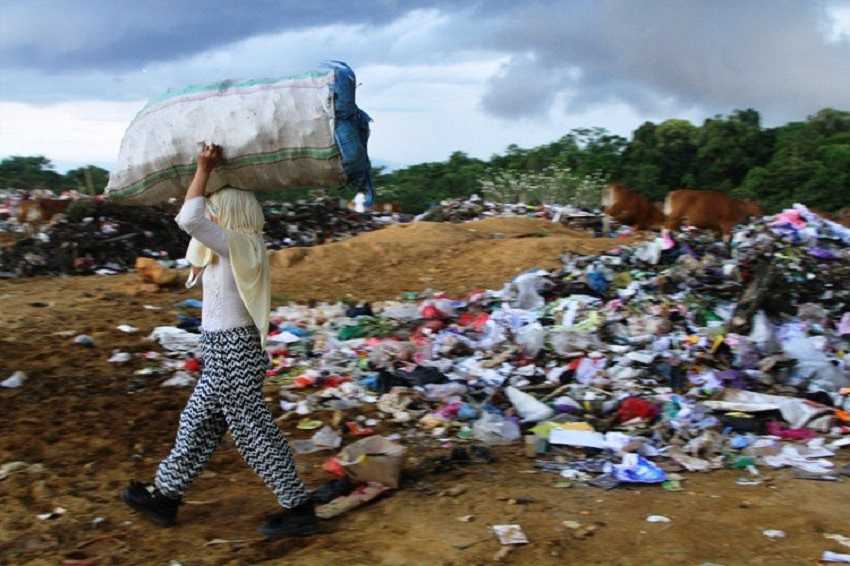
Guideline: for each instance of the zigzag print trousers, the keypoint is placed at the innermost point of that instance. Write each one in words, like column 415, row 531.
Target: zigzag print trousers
column 229, row 397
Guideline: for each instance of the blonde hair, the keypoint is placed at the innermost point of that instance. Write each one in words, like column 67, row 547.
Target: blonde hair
column 237, row 210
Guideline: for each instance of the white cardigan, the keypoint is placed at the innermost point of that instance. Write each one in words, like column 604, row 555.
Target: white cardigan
column 223, row 307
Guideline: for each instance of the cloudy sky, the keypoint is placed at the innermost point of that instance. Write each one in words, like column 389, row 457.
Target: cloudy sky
column 436, row 76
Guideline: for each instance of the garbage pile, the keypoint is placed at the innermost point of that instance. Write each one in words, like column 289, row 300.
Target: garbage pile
column 674, row 355
column 476, row 208
column 98, row 236
column 678, row 354
column 95, row 236
column 311, row 223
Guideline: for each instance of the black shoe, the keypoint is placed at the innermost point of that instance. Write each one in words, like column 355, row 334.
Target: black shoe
column 299, row 521
column 332, row 490
column 148, row 501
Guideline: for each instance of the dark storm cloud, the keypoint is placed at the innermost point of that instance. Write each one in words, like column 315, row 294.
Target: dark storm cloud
column 658, row 56
column 769, row 54
column 63, row 35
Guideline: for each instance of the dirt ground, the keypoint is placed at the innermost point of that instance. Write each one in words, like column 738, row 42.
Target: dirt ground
column 454, row 258
column 93, row 426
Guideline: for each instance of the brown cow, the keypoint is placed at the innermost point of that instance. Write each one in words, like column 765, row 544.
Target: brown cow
column 41, row 210
column 631, row 208
column 707, row 209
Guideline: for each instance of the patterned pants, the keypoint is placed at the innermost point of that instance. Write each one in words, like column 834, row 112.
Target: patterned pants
column 229, row 396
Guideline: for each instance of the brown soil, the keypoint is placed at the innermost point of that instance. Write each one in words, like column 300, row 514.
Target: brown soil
column 444, row 257
column 76, row 416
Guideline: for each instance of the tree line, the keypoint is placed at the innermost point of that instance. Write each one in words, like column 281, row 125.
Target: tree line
column 37, row 172
column 805, row 161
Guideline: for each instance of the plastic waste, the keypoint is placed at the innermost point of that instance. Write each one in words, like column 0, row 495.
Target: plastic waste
column 528, row 287
column 530, row 338
column 637, row 469
column 175, row 339
column 589, row 368
column 530, row 409
column 636, row 408
column 84, row 340
column 467, row 412
column 325, row 439
column 844, row 324
column 120, row 358
column 179, row 379
column 812, row 364
column 650, row 252
column 579, row 438
column 494, row 429
column 566, row 404
column 353, row 500
column 440, row 391
column 566, row 342
column 401, row 311
column 14, row 381
column 510, row 534
column 762, row 334
column 597, row 281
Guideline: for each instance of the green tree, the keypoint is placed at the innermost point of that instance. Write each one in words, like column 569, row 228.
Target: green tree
column 810, row 163
column 29, row 173
column 727, row 148
column 676, row 146
column 641, row 163
column 90, row 180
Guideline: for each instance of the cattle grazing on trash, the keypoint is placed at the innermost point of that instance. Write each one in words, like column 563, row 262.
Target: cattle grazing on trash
column 40, row 210
column 631, row 208
column 707, row 209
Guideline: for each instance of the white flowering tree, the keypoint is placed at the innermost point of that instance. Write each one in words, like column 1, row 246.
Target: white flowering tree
column 551, row 185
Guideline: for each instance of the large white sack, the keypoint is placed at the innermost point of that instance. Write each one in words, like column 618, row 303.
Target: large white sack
column 276, row 134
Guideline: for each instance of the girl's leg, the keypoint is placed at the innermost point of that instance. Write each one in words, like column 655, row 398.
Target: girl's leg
column 202, row 426
column 250, row 422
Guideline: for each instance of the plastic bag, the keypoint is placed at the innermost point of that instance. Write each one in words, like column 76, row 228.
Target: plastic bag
column 325, row 439
column 401, row 311
column 844, row 325
column 762, row 334
column 529, row 286
column 495, row 429
column 565, row 342
column 530, row 409
column 530, row 338
column 597, row 281
column 812, row 364
column 439, row 391
column 589, row 368
column 15, row 380
column 175, row 339
column 651, row 251
column 636, row 469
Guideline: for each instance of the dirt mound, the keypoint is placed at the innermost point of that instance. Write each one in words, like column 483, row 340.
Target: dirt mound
column 425, row 255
